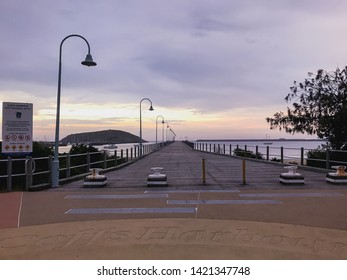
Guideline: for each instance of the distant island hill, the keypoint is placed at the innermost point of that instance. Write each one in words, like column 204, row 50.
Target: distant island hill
column 101, row 137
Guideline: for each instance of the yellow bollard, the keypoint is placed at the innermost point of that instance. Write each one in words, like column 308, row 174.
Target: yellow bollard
column 203, row 172
column 243, row 171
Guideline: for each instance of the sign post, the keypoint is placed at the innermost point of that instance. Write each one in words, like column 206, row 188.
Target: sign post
column 17, row 128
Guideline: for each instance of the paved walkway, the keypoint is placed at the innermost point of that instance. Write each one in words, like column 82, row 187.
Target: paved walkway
column 223, row 219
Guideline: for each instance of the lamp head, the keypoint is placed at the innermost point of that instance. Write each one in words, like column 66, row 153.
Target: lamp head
column 88, row 61
column 151, row 108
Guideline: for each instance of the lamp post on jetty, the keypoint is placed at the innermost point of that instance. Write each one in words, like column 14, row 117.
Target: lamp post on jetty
column 87, row 62
column 173, row 135
column 167, row 128
column 156, row 131
column 151, row 109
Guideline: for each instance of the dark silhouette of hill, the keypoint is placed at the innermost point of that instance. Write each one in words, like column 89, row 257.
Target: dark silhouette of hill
column 101, row 137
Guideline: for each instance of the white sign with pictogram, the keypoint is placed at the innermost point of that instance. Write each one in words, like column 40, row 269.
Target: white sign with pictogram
column 17, row 128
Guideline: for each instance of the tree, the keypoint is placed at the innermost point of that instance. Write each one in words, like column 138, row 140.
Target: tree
column 319, row 107
column 41, row 150
column 82, row 148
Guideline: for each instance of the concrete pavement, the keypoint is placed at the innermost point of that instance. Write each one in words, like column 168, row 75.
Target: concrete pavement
column 223, row 219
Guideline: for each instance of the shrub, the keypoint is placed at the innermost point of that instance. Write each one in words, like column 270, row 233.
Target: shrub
column 317, row 158
column 246, row 153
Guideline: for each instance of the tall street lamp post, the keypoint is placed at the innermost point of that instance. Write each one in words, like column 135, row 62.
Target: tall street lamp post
column 156, row 130
column 87, row 62
column 151, row 109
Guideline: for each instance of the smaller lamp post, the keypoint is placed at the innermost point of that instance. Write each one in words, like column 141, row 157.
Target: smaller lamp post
column 151, row 109
column 156, row 130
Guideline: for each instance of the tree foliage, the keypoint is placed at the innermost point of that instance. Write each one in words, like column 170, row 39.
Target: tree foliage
column 319, row 106
column 82, row 148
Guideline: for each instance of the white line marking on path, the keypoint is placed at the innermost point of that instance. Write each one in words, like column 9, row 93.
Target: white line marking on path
column 194, row 191
column 115, row 196
column 129, row 210
column 290, row 195
column 239, row 201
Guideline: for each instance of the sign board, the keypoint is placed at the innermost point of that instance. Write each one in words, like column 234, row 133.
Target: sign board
column 17, row 128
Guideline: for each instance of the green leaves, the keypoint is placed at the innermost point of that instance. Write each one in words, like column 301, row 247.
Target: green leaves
column 319, row 106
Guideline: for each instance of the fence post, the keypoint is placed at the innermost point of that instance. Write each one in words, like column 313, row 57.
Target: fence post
column 127, row 154
column 68, row 166
column 28, row 172
column 121, row 155
column 88, row 161
column 230, row 150
column 302, row 156
column 105, row 159
column 267, row 152
column 50, row 169
column 281, row 154
column 9, row 174
column 327, row 157
column 115, row 157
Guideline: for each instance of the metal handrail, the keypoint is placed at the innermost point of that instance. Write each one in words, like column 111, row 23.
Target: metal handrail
column 28, row 174
column 269, row 152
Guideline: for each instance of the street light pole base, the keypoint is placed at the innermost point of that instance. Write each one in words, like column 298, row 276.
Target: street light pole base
column 55, row 174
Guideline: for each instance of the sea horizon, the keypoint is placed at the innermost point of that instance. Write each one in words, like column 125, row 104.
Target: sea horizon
column 259, row 139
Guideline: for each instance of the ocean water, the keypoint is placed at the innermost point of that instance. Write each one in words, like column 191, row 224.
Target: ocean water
column 66, row 149
column 291, row 149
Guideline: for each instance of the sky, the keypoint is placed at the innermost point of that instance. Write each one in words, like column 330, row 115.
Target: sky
column 214, row 69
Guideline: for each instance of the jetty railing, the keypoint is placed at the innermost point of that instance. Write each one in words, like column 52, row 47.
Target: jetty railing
column 35, row 173
column 320, row 158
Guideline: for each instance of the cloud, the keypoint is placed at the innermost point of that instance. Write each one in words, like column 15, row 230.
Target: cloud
column 205, row 56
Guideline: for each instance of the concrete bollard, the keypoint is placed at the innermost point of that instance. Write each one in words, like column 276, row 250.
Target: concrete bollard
column 157, row 178
column 291, row 177
column 95, row 179
column 338, row 177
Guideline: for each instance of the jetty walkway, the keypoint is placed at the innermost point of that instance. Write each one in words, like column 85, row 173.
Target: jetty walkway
column 222, row 219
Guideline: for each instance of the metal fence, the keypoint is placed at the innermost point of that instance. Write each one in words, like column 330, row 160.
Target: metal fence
column 321, row 158
column 35, row 173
